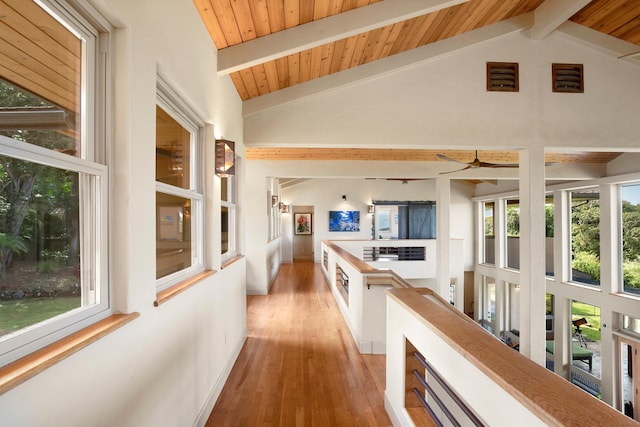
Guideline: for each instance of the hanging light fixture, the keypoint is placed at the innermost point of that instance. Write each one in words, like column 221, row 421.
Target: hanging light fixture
column 225, row 158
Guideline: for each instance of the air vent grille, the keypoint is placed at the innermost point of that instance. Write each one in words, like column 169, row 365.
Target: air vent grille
column 502, row 76
column 567, row 78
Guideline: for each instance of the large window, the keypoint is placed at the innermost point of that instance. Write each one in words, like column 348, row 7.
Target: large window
column 487, row 313
column 179, row 198
column 53, row 177
column 488, row 252
column 630, row 213
column 548, row 234
column 585, row 337
column 585, row 236
column 513, row 233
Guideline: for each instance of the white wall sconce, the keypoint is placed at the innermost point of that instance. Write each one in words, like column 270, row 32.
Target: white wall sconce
column 284, row 208
column 225, row 158
column 371, row 208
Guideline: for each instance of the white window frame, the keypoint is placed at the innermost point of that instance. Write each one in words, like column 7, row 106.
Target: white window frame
column 232, row 210
column 84, row 22
column 620, row 220
column 570, row 235
column 179, row 110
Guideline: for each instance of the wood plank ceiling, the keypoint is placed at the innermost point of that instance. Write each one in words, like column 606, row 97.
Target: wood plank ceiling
column 233, row 22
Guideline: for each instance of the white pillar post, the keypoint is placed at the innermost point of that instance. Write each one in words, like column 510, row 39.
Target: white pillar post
column 443, row 239
column 532, row 249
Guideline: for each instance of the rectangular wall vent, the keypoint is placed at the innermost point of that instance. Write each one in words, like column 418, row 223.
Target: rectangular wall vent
column 502, row 76
column 567, row 78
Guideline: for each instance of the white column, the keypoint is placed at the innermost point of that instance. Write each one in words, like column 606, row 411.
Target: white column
column 610, row 282
column 532, row 249
column 443, row 238
column 561, row 270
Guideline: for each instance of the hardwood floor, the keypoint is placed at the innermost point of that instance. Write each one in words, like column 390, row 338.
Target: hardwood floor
column 300, row 365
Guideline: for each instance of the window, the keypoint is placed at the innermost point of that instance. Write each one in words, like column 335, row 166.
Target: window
column 585, row 337
column 179, row 198
column 487, row 314
column 53, row 179
column 488, row 210
column 228, row 215
column 585, row 236
column 549, row 249
column 630, row 213
column 513, row 234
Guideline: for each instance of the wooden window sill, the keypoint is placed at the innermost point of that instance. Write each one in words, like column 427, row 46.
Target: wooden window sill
column 230, row 261
column 167, row 294
column 21, row 370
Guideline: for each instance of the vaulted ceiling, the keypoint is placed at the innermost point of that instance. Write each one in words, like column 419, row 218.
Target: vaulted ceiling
column 270, row 45
column 273, row 48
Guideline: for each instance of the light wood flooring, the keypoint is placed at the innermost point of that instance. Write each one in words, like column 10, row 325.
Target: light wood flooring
column 300, row 365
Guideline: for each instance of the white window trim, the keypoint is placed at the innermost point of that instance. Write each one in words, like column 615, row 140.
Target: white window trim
column 83, row 21
column 179, row 110
column 231, row 205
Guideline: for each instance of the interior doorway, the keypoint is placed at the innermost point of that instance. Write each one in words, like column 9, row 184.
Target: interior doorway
column 303, row 233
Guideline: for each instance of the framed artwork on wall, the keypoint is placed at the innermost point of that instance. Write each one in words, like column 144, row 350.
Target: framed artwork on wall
column 302, row 223
column 344, row 220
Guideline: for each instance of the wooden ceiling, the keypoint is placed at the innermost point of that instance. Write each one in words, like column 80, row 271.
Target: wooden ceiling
column 256, row 24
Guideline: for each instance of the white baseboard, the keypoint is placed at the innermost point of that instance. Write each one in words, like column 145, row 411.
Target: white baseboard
column 203, row 416
column 396, row 419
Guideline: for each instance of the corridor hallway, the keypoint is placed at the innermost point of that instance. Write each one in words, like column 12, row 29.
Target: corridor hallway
column 299, row 365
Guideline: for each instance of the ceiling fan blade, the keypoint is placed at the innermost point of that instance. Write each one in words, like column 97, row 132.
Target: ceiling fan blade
column 499, row 165
column 449, row 159
column 457, row 170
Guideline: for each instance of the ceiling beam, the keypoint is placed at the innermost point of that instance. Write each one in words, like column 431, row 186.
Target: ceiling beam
column 323, row 31
column 602, row 42
column 383, row 66
column 553, row 13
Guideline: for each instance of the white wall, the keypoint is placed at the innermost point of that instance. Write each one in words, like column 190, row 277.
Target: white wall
column 444, row 103
column 325, row 194
column 167, row 367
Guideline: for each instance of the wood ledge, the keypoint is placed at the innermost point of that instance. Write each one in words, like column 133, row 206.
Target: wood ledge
column 29, row 366
column 167, row 294
column 230, row 261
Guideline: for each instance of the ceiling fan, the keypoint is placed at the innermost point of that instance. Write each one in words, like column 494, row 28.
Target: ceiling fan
column 475, row 164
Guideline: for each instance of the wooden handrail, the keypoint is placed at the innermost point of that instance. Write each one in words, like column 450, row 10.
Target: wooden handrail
column 353, row 260
column 548, row 396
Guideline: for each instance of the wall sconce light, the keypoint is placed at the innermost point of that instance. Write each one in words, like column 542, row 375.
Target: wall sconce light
column 344, row 197
column 225, row 158
column 274, row 201
column 284, row 208
column 371, row 208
